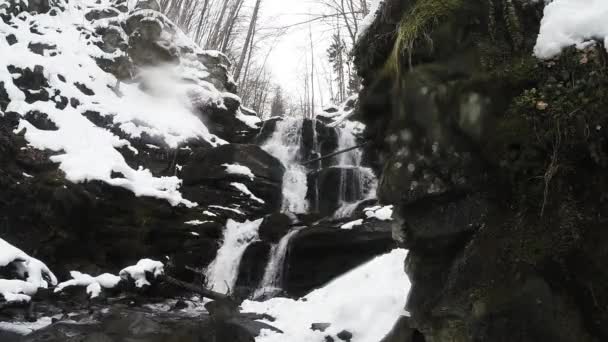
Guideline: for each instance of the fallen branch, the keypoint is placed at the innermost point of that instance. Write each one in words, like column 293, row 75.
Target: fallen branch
column 336, row 153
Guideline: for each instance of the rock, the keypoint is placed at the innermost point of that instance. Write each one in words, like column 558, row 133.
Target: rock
column 274, row 227
column 320, row 253
column 345, row 335
column 324, row 136
column 460, row 131
column 403, row 332
column 252, row 267
column 328, row 183
column 442, row 223
column 266, row 185
column 319, row 326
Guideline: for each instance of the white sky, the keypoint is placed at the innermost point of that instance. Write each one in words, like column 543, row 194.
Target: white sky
column 292, row 51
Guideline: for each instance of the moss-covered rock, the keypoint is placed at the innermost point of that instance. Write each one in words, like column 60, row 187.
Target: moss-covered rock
column 459, row 109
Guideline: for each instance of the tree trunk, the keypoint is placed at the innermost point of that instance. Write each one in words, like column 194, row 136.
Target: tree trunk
column 252, row 24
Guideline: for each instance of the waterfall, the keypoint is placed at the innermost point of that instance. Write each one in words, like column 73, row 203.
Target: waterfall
column 285, row 145
column 362, row 185
column 272, row 282
column 222, row 273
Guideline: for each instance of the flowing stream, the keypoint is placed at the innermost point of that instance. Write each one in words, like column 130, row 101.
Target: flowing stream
column 222, row 273
column 357, row 184
column 285, row 144
column 361, row 184
column 272, row 282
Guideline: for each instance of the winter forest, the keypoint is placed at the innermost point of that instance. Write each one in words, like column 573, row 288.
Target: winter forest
column 303, row 170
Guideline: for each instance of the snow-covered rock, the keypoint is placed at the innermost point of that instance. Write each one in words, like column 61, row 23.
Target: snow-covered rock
column 32, row 274
column 571, row 22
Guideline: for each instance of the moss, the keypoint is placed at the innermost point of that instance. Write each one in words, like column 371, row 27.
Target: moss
column 417, row 24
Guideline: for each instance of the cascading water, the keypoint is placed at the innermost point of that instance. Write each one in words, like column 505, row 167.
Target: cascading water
column 272, row 282
column 222, row 273
column 362, row 183
column 285, row 145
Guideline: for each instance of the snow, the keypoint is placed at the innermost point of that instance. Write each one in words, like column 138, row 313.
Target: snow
column 366, row 302
column 571, row 22
column 15, row 290
column 249, row 120
column 208, row 213
column 93, row 284
column 26, row 328
column 370, row 17
column 236, row 211
column 352, row 224
column 36, row 274
column 381, row 213
column 243, row 188
column 138, row 271
column 83, row 150
column 222, row 273
column 236, row 169
column 196, row 222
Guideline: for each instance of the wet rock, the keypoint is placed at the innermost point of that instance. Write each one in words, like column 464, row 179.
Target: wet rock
column 319, row 326
column 334, row 185
column 345, row 335
column 320, row 253
column 274, row 227
column 252, row 267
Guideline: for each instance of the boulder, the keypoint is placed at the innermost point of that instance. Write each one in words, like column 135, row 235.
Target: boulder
column 320, row 253
column 252, row 267
column 274, row 227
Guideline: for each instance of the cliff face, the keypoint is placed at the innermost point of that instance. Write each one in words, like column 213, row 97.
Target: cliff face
column 497, row 163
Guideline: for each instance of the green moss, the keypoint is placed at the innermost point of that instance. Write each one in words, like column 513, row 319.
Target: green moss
column 417, row 24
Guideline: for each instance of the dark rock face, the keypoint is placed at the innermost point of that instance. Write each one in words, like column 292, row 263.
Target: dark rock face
column 252, row 267
column 320, row 253
column 206, row 173
column 91, row 226
column 328, row 182
column 504, row 244
column 274, row 227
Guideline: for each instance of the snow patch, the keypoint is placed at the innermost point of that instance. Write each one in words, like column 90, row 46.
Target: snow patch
column 352, row 224
column 35, row 272
column 244, row 189
column 571, row 22
column 93, row 284
column 236, row 169
column 381, row 213
column 138, row 271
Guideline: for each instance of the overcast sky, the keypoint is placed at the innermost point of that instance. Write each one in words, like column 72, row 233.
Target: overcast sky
column 292, row 50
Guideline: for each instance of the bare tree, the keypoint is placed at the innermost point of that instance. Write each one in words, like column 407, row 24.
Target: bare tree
column 252, row 25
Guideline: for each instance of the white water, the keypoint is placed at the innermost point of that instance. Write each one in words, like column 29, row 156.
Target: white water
column 285, row 145
column 363, row 185
column 273, row 274
column 223, row 272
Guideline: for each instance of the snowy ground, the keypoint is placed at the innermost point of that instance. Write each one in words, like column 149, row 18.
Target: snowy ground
column 366, row 302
